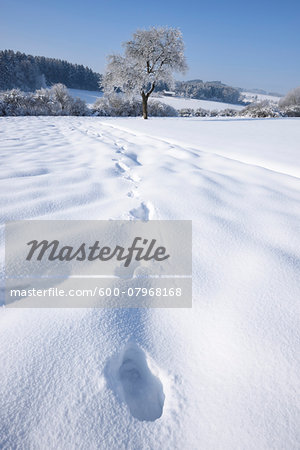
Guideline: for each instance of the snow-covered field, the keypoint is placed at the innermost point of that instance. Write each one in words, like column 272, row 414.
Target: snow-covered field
column 253, row 97
column 88, row 96
column 177, row 102
column 228, row 368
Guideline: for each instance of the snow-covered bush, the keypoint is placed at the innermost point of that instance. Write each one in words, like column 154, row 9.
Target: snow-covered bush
column 159, row 109
column 228, row 112
column 43, row 102
column 213, row 113
column 291, row 111
column 60, row 94
column 78, row 107
column 288, row 107
column 118, row 105
column 13, row 103
column 67, row 105
column 101, row 107
column 290, row 104
column 261, row 109
column 186, row 112
column 200, row 112
column 292, row 98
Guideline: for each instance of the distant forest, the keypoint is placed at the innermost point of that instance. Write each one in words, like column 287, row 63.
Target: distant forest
column 212, row 90
column 28, row 73
column 204, row 90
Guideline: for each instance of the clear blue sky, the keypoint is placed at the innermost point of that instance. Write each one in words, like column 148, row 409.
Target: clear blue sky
column 242, row 43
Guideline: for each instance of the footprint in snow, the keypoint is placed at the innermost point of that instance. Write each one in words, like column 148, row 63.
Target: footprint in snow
column 121, row 167
column 142, row 212
column 120, row 148
column 132, row 378
column 133, row 157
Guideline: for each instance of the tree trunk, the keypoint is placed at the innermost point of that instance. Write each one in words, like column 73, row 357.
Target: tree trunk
column 145, row 100
column 145, row 105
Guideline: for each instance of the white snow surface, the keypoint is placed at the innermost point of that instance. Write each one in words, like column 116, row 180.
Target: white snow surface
column 180, row 102
column 221, row 375
column 88, row 96
column 254, row 97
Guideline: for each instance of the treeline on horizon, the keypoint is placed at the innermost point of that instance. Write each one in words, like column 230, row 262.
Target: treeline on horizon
column 28, row 73
column 57, row 101
column 204, row 90
column 212, row 90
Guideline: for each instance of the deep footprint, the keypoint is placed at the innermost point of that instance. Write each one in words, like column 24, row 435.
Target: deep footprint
column 143, row 212
column 143, row 392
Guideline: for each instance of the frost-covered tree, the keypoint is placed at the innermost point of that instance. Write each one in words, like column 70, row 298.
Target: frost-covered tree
column 292, row 98
column 61, row 95
column 150, row 57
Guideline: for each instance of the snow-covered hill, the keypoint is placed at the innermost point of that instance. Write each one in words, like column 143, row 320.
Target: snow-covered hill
column 88, row 96
column 177, row 102
column 222, row 375
column 253, row 97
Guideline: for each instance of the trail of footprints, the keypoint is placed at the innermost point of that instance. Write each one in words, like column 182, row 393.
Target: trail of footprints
column 124, row 163
column 129, row 373
column 145, row 210
column 141, row 390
